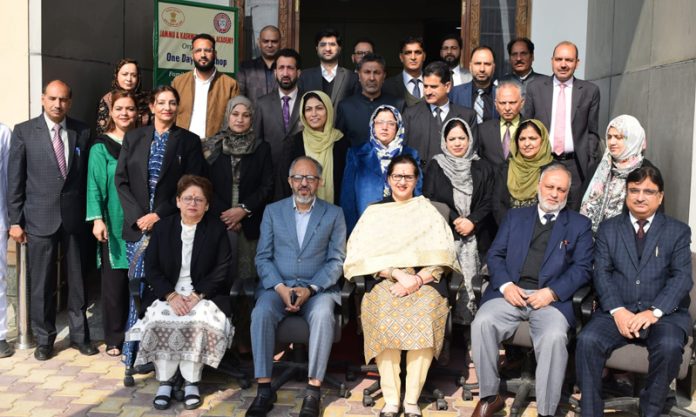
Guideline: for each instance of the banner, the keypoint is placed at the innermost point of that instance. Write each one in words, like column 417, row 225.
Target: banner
column 177, row 22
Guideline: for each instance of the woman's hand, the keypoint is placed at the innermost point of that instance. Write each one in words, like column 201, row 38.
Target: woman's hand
column 99, row 230
column 232, row 217
column 178, row 304
column 398, row 290
column 408, row 282
column 191, row 300
column 463, row 226
column 146, row 222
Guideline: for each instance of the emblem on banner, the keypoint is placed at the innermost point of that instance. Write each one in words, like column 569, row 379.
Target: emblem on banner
column 222, row 22
column 173, row 16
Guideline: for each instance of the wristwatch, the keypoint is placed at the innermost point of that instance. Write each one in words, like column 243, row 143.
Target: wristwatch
column 245, row 208
column 656, row 312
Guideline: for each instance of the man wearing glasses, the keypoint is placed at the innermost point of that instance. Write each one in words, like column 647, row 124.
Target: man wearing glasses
column 361, row 47
column 299, row 260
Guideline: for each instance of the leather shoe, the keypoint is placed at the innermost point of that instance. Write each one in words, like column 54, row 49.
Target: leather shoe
column 311, row 406
column 261, row 406
column 5, row 349
column 486, row 409
column 86, row 349
column 43, row 352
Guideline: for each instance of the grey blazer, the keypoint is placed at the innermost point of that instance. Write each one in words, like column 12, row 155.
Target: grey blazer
column 345, row 83
column 268, row 123
column 251, row 78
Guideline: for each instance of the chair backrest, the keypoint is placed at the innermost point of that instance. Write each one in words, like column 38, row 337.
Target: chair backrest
column 442, row 208
column 692, row 293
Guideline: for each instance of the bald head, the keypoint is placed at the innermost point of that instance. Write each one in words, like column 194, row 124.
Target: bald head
column 269, row 42
column 56, row 100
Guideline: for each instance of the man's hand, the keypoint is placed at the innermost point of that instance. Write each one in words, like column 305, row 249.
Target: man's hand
column 146, row 222
column 17, row 233
column 284, row 293
column 515, row 295
column 231, row 217
column 642, row 320
column 622, row 318
column 540, row 298
column 303, row 295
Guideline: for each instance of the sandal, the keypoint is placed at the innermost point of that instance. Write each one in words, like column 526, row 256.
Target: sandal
column 113, row 351
column 192, row 398
column 163, row 401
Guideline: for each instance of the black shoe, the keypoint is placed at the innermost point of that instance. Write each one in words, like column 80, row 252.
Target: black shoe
column 5, row 349
column 43, row 352
column 86, row 349
column 311, row 406
column 261, row 406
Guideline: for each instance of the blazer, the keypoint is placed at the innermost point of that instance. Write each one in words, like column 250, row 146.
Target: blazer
column 183, row 155
column 584, row 118
column 660, row 278
column 251, row 78
column 38, row 197
column 395, row 86
column 268, row 122
column 461, row 95
column 567, row 264
column 511, row 76
column 490, row 143
column 255, row 186
column 345, row 83
column 438, row 187
column 210, row 261
column 423, row 131
column 363, row 181
column 280, row 259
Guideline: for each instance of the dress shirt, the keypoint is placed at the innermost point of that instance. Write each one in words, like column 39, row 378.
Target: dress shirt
column 291, row 102
column 488, row 100
column 409, row 85
column 514, row 124
column 302, row 220
column 200, row 104
column 568, row 115
column 460, row 76
column 63, row 136
column 325, row 73
column 445, row 110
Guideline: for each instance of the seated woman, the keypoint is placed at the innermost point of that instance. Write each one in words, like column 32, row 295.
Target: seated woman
column 186, row 324
column 406, row 244
column 460, row 179
column 606, row 193
column 518, row 179
column 365, row 179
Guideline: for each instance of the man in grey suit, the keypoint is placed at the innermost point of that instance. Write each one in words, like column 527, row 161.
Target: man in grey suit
column 299, row 260
column 569, row 108
column 337, row 82
column 255, row 77
column 408, row 84
column 46, row 206
column 495, row 135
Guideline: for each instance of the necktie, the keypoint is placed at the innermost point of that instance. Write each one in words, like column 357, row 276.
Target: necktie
column 286, row 112
column 478, row 106
column 549, row 217
column 559, row 127
column 640, row 236
column 437, row 114
column 59, row 150
column 416, row 87
column 506, row 140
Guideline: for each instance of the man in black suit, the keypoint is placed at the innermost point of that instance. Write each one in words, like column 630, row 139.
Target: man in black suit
column 255, row 77
column 361, row 47
column 495, row 135
column 423, row 121
column 569, row 107
column 46, row 206
column 479, row 93
column 409, row 83
column 337, row 82
column 521, row 55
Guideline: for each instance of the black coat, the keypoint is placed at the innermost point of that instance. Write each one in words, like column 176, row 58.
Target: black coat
column 438, row 187
column 210, row 261
column 255, row 186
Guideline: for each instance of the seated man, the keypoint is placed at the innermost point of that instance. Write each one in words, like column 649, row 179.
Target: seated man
column 643, row 278
column 299, row 259
column 539, row 258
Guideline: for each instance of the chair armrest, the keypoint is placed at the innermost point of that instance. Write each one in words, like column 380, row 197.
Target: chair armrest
column 477, row 284
column 243, row 288
column 583, row 301
column 359, row 283
column 346, row 293
column 455, row 283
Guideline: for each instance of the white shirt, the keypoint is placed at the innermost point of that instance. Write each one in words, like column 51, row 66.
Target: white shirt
column 63, row 137
column 409, row 85
column 445, row 110
column 184, row 286
column 325, row 72
column 634, row 222
column 200, row 104
column 568, row 114
column 460, row 76
column 291, row 102
column 5, row 135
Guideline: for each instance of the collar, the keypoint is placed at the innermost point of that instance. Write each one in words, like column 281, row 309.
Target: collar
column 541, row 214
column 524, row 77
column 514, row 123
column 445, row 108
column 634, row 220
column 50, row 123
column 208, row 81
column 486, row 90
column 294, row 206
column 324, row 68
column 568, row 83
column 407, row 77
column 293, row 95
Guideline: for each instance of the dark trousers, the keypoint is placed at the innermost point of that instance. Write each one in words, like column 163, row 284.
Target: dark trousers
column 665, row 344
column 115, row 300
column 42, row 254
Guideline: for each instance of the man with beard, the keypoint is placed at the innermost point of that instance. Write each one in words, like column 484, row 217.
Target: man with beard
column 451, row 53
column 203, row 92
column 539, row 258
column 276, row 118
column 479, row 93
column 409, row 83
column 353, row 114
column 361, row 47
column 299, row 259
column 521, row 52
column 255, row 77
column 337, row 82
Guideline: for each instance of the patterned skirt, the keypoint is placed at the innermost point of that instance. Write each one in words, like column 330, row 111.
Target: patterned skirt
column 416, row 321
column 202, row 336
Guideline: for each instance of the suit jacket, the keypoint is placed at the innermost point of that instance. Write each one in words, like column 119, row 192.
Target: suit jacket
column 395, row 86
column 345, row 83
column 490, row 146
column 210, row 261
column 38, row 197
column 318, row 261
column 251, row 78
column 567, row 264
column 660, row 278
column 268, row 122
column 462, row 93
column 514, row 77
column 423, row 131
column 255, row 186
column 584, row 118
column 182, row 156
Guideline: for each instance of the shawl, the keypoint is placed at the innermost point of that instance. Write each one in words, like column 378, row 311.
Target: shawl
column 386, row 153
column 523, row 174
column 606, row 192
column 400, row 235
column 111, row 143
column 319, row 145
column 228, row 142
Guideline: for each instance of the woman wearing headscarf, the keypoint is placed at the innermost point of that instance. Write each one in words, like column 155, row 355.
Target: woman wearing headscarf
column 518, row 179
column 605, row 195
column 462, row 180
column 126, row 77
column 365, row 179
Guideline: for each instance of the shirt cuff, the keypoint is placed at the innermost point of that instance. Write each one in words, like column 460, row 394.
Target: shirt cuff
column 278, row 285
column 316, row 288
column 614, row 310
column 502, row 287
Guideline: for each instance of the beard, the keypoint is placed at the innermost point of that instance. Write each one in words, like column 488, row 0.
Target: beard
column 549, row 207
column 205, row 68
column 451, row 61
column 287, row 85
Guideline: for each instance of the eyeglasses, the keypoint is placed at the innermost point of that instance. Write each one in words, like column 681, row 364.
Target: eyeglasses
column 324, row 44
column 647, row 191
column 399, row 177
column 311, row 179
column 195, row 200
column 361, row 53
column 206, row 50
column 389, row 123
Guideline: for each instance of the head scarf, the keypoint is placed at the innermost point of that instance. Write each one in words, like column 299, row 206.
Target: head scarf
column 319, row 144
column 386, row 153
column 523, row 174
column 605, row 195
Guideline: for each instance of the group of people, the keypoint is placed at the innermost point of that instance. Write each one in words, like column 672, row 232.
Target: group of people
column 297, row 178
